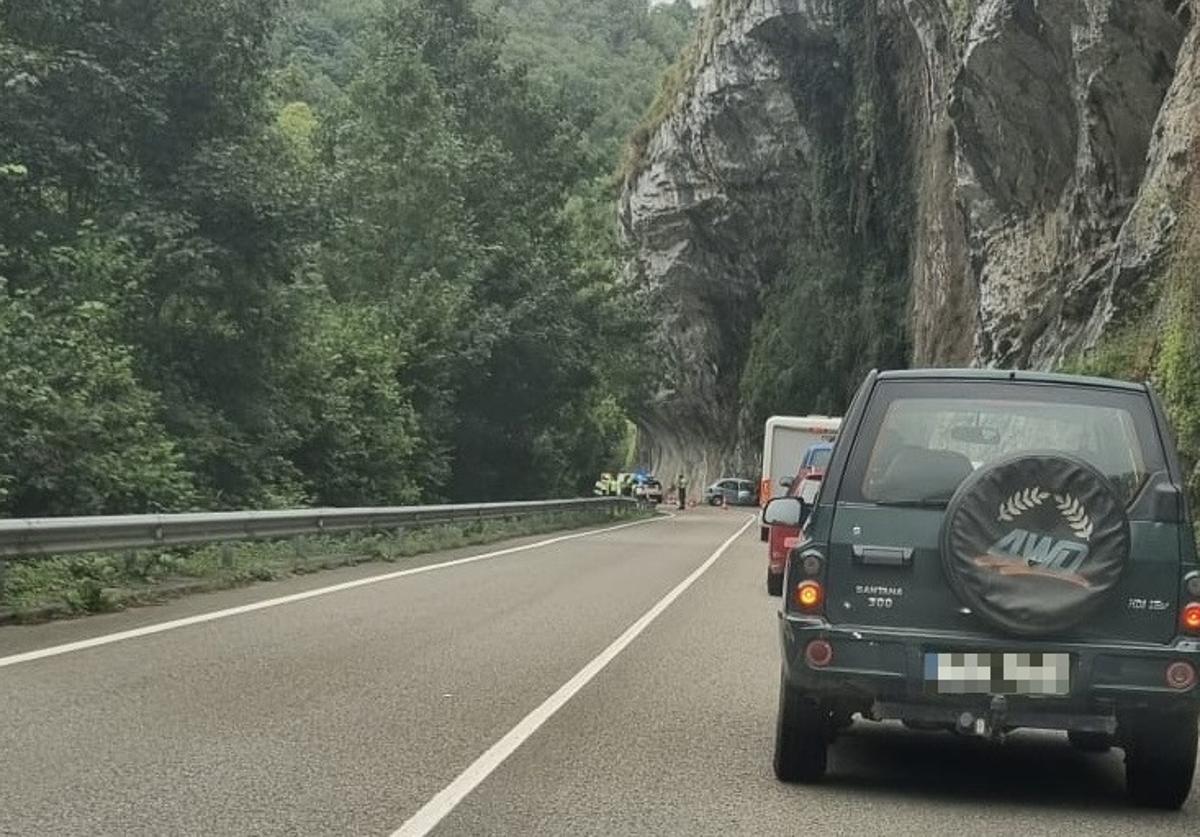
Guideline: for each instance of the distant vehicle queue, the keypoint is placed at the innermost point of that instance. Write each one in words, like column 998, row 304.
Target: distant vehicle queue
column 796, row 451
column 639, row 485
column 727, row 491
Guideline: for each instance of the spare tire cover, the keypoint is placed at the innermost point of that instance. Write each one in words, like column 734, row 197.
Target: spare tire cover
column 1034, row 542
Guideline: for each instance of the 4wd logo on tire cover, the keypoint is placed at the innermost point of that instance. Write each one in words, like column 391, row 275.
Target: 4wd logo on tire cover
column 1024, row 552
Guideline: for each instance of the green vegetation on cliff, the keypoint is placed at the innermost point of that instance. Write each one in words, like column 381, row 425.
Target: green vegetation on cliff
column 841, row 297
column 674, row 81
column 1160, row 340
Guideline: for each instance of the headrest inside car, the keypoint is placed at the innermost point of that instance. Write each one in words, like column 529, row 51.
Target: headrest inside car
column 920, row 474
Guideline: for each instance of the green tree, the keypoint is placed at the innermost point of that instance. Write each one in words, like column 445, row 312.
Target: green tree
column 78, row 433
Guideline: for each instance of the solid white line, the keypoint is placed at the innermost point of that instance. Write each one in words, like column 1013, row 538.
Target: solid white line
column 121, row 636
column 436, row 809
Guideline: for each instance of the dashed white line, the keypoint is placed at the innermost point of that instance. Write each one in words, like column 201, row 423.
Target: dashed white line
column 446, row 800
column 148, row 630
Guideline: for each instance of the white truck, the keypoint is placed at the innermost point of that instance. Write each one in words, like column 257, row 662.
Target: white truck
column 785, row 440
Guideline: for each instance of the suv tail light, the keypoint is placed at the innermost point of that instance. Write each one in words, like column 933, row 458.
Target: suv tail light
column 1190, row 617
column 811, row 563
column 819, row 653
column 1192, row 583
column 1181, row 675
column 810, row 595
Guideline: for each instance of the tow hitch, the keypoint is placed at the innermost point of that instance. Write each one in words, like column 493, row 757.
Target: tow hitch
column 991, row 724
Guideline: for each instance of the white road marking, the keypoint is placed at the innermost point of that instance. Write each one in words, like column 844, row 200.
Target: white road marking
column 148, row 630
column 436, row 809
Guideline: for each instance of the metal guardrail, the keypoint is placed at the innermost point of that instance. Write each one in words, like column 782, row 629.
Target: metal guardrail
column 59, row 535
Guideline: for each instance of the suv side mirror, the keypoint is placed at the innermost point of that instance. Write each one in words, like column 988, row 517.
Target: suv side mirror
column 786, row 482
column 786, row 511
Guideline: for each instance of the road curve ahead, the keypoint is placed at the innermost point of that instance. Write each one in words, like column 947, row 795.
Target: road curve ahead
column 621, row 682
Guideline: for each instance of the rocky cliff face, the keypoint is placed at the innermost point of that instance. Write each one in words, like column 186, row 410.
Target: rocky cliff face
column 988, row 182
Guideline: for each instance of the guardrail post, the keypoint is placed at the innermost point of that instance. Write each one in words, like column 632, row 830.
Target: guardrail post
column 3, row 580
column 227, row 555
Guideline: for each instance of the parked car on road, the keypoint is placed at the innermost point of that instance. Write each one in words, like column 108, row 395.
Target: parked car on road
column 783, row 539
column 804, row 485
column 731, row 491
column 993, row 550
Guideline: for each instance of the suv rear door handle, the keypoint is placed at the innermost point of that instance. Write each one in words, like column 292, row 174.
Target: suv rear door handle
column 883, row 556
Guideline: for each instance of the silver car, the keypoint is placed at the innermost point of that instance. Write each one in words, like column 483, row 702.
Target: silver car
column 730, row 491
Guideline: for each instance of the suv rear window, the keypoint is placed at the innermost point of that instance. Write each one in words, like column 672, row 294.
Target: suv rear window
column 920, row 441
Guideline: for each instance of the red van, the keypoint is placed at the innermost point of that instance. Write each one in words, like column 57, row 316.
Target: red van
column 805, row 485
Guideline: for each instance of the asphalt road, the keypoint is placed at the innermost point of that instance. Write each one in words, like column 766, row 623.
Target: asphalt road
column 353, row 711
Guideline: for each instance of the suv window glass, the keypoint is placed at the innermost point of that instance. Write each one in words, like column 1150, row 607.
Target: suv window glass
column 820, row 458
column 921, row 446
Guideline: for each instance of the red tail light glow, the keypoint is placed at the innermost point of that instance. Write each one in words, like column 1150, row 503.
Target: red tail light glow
column 1191, row 617
column 809, row 595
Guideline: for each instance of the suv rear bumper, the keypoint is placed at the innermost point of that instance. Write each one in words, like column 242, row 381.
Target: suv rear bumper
column 881, row 672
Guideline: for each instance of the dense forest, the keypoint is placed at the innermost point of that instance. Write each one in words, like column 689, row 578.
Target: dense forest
column 260, row 254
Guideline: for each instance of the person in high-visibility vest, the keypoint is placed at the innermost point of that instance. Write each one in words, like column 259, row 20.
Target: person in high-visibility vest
column 604, row 485
column 681, row 488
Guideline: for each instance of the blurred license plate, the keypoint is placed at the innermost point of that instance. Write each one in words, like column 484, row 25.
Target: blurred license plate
column 998, row 674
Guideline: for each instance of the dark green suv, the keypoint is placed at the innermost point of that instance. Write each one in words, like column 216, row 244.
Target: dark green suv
column 993, row 550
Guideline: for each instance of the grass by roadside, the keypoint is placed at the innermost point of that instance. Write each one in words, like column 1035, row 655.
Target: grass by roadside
column 33, row 590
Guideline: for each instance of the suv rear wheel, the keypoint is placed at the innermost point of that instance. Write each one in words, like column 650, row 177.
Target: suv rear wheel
column 801, row 737
column 1160, row 759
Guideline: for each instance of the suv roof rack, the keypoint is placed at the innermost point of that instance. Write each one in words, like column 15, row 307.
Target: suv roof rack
column 1022, row 375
